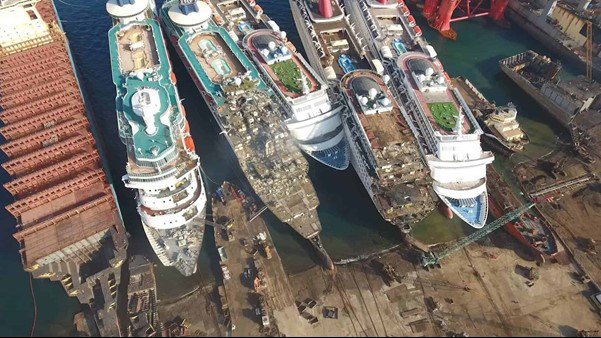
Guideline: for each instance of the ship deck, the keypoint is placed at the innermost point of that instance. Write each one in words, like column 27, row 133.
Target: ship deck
column 139, row 49
column 260, row 40
column 441, row 108
column 215, row 57
column 336, row 38
column 390, row 27
column 61, row 194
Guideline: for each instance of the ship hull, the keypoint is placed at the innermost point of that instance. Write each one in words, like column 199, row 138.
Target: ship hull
column 511, row 228
column 558, row 114
column 554, row 45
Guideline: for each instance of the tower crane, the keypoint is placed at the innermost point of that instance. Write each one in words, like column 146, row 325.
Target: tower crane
column 432, row 259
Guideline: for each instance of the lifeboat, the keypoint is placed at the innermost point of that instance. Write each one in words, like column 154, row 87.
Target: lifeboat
column 401, row 2
column 411, row 20
column 418, row 31
column 258, row 9
column 187, row 127
column 405, row 10
column 183, row 109
column 190, row 144
column 173, row 78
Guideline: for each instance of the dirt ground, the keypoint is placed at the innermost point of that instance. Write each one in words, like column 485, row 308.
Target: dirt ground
column 479, row 291
column 575, row 216
column 199, row 311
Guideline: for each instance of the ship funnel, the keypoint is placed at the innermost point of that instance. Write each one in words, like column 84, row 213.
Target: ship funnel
column 325, row 8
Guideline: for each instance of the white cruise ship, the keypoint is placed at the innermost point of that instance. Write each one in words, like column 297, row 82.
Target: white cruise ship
column 448, row 132
column 162, row 164
column 314, row 121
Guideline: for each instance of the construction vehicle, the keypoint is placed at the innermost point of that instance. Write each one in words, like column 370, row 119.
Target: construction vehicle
column 431, row 259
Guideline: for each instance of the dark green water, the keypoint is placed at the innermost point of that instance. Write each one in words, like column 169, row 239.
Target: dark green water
column 351, row 224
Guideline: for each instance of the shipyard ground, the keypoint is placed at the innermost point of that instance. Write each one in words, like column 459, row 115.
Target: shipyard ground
column 479, row 291
column 576, row 211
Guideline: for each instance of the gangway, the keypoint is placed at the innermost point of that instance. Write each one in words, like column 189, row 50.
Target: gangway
column 433, row 259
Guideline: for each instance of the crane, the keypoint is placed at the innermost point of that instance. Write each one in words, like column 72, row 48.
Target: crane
column 432, row 259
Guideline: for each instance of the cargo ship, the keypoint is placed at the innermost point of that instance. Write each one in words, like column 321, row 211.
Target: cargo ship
column 502, row 130
column 162, row 166
column 384, row 150
column 448, row 133
column 68, row 223
column 529, row 229
column 249, row 114
column 575, row 103
column 312, row 118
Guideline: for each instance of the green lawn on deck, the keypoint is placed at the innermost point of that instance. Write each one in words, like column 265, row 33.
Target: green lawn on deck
column 289, row 74
column 445, row 114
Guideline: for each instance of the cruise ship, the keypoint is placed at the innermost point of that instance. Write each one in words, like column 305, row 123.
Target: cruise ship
column 384, row 150
column 162, row 165
column 312, row 119
column 449, row 134
column 249, row 114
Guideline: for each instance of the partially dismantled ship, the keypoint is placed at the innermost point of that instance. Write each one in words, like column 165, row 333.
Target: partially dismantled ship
column 529, row 229
column 248, row 112
column 384, row 150
column 312, row 119
column 162, row 164
column 574, row 103
column 68, row 223
column 448, row 133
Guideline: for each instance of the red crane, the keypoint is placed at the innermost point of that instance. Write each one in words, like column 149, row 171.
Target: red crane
column 440, row 12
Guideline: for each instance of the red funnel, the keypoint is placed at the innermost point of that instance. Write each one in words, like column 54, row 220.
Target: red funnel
column 325, row 8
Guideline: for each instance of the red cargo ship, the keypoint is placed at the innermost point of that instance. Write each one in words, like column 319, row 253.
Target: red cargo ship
column 530, row 230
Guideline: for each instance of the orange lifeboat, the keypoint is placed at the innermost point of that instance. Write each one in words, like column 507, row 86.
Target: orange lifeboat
column 187, row 127
column 173, row 78
column 190, row 144
column 401, row 2
column 418, row 31
column 258, row 9
column 411, row 20
column 405, row 10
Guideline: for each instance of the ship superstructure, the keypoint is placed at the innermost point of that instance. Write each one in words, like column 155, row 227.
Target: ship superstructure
column 162, row 165
column 448, row 132
column 331, row 43
column 312, row 119
column 248, row 112
column 385, row 152
column 68, row 223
